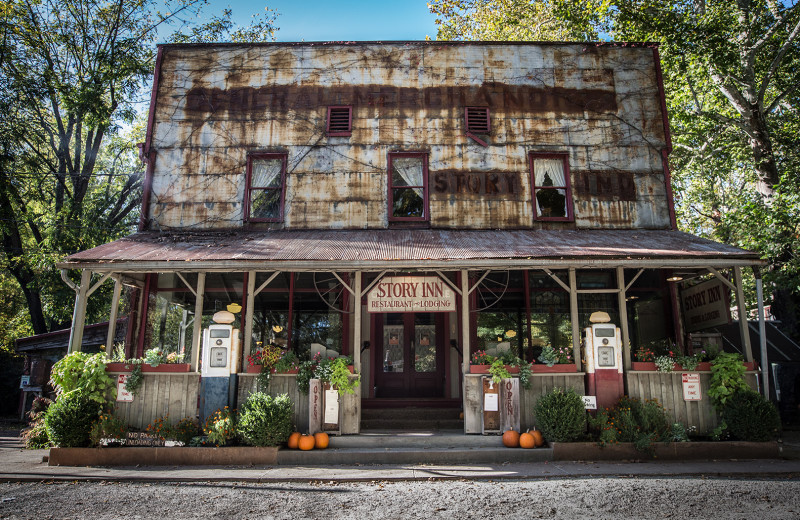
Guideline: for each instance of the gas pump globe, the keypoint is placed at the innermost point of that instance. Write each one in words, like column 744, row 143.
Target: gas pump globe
column 603, row 360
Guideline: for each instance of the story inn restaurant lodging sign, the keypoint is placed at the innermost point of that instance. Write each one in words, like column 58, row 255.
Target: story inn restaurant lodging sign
column 411, row 294
column 407, row 204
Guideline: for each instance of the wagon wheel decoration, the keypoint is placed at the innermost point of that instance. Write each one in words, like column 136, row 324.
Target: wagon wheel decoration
column 489, row 289
column 332, row 291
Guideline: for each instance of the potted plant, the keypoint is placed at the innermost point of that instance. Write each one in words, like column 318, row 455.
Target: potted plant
column 555, row 360
column 323, row 368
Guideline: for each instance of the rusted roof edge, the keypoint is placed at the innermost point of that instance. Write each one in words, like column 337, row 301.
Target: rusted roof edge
column 406, row 42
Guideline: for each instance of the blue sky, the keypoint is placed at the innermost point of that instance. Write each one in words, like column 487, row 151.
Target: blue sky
column 335, row 20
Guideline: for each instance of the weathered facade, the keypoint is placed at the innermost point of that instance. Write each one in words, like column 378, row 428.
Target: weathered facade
column 527, row 185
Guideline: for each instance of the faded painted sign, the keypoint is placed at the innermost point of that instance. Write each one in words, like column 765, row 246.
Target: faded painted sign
column 411, row 294
column 705, row 305
column 123, row 395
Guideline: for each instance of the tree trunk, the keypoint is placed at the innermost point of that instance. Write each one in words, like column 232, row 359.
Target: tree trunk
column 763, row 156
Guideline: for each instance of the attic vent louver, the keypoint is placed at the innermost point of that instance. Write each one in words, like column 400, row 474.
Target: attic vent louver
column 340, row 121
column 477, row 120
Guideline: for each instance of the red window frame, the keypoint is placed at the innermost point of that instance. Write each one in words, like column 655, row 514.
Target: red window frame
column 340, row 132
column 567, row 187
column 426, row 207
column 249, row 189
column 481, row 129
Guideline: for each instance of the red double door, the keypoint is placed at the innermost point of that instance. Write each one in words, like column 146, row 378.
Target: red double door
column 409, row 354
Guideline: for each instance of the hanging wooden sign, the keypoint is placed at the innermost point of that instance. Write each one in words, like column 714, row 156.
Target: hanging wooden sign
column 411, row 294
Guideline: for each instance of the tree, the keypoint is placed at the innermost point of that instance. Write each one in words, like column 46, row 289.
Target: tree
column 71, row 73
column 732, row 83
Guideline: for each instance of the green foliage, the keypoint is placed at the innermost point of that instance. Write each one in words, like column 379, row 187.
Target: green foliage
column 340, row 377
column 265, row 420
column 185, row 430
column 634, row 421
column 498, row 371
column 84, row 372
column 69, row 420
column 555, row 356
column 560, row 415
column 108, row 426
column 134, row 381
column 220, row 428
column 35, row 435
column 749, row 416
column 727, row 378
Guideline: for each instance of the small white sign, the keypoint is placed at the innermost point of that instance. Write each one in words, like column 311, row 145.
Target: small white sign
column 491, row 403
column 590, row 402
column 25, row 381
column 122, row 391
column 331, row 407
column 691, row 387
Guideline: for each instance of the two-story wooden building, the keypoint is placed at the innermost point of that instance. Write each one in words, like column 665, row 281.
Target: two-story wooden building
column 406, row 203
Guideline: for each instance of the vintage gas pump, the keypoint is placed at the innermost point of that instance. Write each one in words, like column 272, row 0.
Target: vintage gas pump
column 220, row 352
column 603, row 361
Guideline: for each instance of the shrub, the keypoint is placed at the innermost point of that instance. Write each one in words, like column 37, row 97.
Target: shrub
column 749, row 416
column 186, row 429
column 220, row 428
column 35, row 436
column 108, row 426
column 560, row 415
column 631, row 420
column 80, row 371
column 69, row 420
column 265, row 420
column 727, row 378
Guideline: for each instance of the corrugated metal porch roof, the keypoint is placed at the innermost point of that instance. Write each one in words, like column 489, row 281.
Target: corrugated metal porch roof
column 392, row 249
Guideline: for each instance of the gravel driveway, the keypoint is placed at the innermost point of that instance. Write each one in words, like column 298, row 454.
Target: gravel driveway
column 553, row 498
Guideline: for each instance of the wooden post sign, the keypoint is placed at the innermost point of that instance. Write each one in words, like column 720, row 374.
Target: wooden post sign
column 509, row 410
column 314, row 406
column 491, row 406
column 330, row 401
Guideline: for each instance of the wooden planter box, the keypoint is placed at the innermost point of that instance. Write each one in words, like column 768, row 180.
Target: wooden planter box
column 701, row 367
column 555, row 369
column 162, row 368
column 257, row 370
column 484, row 369
column 148, row 456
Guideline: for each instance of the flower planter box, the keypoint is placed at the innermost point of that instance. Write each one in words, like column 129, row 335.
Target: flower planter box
column 163, row 367
column 484, row 369
column 256, row 369
column 175, row 456
column 701, row 367
column 555, row 369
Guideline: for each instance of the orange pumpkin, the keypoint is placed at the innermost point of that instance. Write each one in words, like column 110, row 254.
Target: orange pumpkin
column 306, row 442
column 321, row 440
column 293, row 440
column 527, row 441
column 538, row 438
column 511, row 439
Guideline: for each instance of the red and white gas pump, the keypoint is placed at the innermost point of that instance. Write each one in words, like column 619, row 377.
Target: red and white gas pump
column 603, row 348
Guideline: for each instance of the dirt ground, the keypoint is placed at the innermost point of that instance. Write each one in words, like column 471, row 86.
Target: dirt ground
column 565, row 498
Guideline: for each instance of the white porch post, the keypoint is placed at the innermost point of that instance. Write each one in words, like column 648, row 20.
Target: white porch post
column 197, row 330
column 623, row 318
column 112, row 319
column 248, row 315
column 79, row 314
column 743, row 327
column 573, row 315
column 357, row 322
column 762, row 330
column 465, row 322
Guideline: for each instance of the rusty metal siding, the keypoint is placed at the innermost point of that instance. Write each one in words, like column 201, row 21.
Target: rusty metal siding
column 217, row 103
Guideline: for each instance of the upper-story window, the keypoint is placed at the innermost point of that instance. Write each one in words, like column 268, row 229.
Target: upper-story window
column 552, row 197
column 340, row 121
column 266, row 179
column 408, row 187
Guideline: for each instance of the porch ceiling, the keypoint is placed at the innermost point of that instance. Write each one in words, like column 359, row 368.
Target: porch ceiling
column 300, row 250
